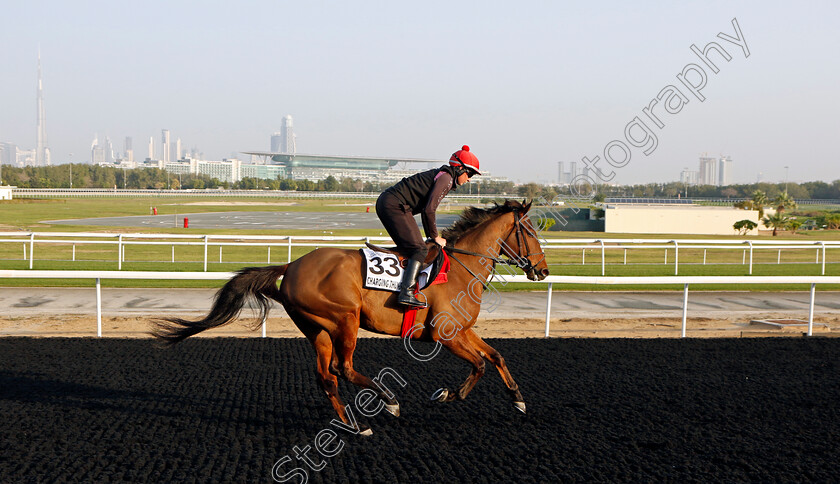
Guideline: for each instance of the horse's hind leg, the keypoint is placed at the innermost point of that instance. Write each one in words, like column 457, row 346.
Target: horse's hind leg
column 344, row 343
column 460, row 347
column 498, row 361
column 327, row 381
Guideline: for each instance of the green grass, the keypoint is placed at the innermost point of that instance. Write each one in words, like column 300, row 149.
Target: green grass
column 29, row 215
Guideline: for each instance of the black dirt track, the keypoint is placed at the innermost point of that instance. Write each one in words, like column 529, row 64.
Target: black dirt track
column 226, row 410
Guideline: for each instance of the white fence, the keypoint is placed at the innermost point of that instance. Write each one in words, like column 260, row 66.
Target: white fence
column 550, row 281
column 288, row 242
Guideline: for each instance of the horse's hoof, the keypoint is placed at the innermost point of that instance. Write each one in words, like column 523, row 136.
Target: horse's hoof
column 519, row 406
column 440, row 395
column 393, row 409
column 366, row 432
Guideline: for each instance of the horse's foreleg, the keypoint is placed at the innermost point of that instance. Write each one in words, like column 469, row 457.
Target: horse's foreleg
column 460, row 347
column 345, row 344
column 499, row 362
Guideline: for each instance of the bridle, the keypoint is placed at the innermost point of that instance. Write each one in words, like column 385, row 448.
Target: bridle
column 520, row 260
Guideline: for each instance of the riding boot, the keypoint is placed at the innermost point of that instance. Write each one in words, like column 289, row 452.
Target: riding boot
column 409, row 282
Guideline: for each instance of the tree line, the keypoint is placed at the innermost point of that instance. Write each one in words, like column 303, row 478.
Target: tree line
column 79, row 175
column 84, row 175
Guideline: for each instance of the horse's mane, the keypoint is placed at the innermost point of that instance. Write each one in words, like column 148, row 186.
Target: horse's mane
column 471, row 217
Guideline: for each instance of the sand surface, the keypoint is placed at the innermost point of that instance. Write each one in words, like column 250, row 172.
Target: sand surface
column 76, row 325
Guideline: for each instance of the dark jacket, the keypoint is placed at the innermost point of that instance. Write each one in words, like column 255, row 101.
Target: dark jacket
column 422, row 193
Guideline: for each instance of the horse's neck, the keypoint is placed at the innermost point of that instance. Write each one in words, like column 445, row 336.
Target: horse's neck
column 485, row 241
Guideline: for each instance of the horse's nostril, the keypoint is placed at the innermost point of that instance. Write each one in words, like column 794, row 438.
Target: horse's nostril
column 544, row 272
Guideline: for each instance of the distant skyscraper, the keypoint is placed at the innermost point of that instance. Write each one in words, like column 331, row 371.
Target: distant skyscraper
column 42, row 153
column 8, row 154
column 725, row 171
column 276, row 141
column 109, row 150
column 708, row 171
column 97, row 151
column 165, row 153
column 287, row 136
column 572, row 170
column 560, row 172
column 152, row 147
column 178, row 149
column 129, row 150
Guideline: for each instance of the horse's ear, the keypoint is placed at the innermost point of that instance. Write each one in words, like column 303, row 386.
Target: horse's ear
column 528, row 206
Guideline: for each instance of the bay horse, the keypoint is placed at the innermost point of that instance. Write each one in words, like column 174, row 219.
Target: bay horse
column 323, row 294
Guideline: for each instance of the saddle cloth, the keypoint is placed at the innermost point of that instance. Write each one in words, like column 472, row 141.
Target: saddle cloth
column 384, row 270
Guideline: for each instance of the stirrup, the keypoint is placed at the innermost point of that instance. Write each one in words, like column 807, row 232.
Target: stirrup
column 411, row 300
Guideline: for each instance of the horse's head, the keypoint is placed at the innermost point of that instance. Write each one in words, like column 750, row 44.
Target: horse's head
column 522, row 244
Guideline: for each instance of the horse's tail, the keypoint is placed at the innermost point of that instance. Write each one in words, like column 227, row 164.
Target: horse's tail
column 259, row 283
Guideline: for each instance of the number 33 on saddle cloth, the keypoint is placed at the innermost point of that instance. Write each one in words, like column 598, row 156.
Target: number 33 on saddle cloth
column 383, row 270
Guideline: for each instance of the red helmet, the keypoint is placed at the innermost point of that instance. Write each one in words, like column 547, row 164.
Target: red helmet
column 464, row 158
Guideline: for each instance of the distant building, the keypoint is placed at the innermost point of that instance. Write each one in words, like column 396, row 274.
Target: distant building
column 674, row 219
column 165, row 154
column 287, row 136
column 688, row 177
column 129, row 151
column 725, row 171
column 708, row 171
column 151, row 148
column 42, row 153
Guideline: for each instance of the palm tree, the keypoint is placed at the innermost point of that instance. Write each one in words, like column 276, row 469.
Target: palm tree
column 783, row 202
column 776, row 221
column 759, row 201
column 794, row 225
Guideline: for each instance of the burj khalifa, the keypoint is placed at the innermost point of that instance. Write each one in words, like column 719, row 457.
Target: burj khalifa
column 42, row 153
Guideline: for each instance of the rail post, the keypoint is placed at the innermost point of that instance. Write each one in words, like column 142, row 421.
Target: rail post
column 603, row 263
column 31, row 249
column 205, row 252
column 823, row 258
column 811, row 311
column 548, row 310
column 685, row 309
column 676, row 257
column 751, row 255
column 119, row 252
column 98, row 309
column 74, row 252
column 263, row 325
column 625, row 256
column 268, row 256
column 289, row 258
column 704, row 256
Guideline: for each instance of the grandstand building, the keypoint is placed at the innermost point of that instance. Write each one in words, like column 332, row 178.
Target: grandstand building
column 298, row 167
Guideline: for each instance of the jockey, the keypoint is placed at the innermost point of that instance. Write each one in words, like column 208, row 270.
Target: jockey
column 421, row 193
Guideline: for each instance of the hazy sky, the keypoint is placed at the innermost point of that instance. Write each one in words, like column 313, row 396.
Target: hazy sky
column 525, row 84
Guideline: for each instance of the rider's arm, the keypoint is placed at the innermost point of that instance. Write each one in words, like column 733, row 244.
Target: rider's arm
column 443, row 183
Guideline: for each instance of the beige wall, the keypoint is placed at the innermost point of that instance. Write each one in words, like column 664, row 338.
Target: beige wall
column 6, row 193
column 645, row 219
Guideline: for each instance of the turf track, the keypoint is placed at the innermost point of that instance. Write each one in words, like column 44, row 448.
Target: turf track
column 225, row 410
